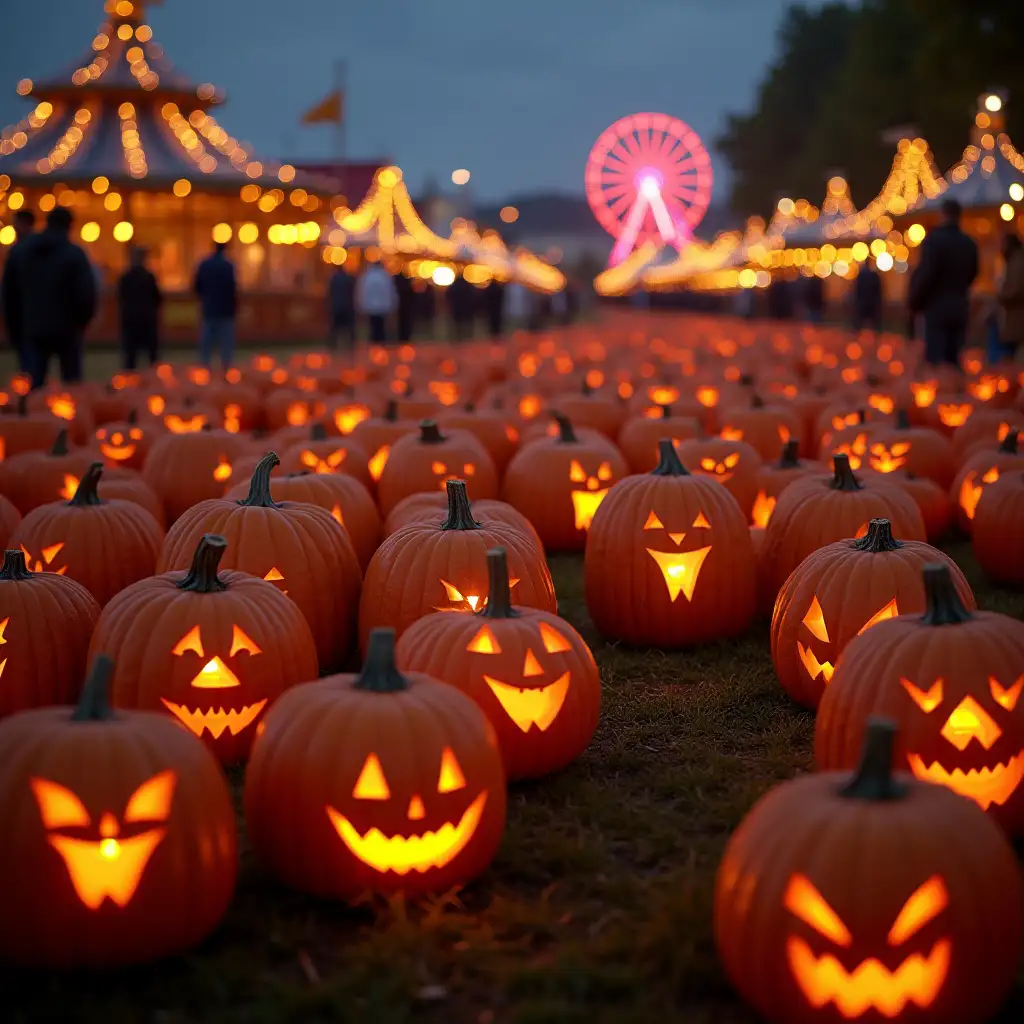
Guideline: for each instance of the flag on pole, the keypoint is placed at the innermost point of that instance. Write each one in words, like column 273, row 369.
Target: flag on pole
column 327, row 111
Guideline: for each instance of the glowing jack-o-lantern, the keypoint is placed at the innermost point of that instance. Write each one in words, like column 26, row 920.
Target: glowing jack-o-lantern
column 409, row 818
column 887, row 458
column 178, row 423
column 329, row 464
column 896, row 935
column 839, row 593
column 528, row 670
column 958, row 701
column 45, row 563
column 586, row 500
column 108, row 865
column 122, row 444
column 681, row 541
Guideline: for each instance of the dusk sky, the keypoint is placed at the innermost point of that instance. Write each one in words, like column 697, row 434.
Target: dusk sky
column 516, row 92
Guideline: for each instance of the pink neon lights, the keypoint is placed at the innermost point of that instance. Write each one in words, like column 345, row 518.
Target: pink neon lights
column 648, row 178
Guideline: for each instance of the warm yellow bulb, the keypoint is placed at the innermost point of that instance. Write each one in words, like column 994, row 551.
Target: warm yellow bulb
column 1006, row 212
column 124, row 32
column 90, row 231
column 993, row 103
column 182, row 187
column 248, row 233
column 112, row 202
column 460, row 176
column 7, row 234
column 123, row 231
column 1017, row 192
column 15, row 201
column 222, row 233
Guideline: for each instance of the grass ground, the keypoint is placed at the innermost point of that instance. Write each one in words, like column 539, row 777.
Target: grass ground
column 597, row 909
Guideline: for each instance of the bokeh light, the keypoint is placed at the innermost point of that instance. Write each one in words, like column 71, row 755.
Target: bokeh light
column 460, row 176
column 123, row 231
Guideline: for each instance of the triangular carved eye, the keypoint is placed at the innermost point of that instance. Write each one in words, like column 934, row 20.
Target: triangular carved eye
column 1007, row 697
column 485, row 642
column 814, row 620
column 802, row 900
column 58, row 807
column 191, row 641
column 241, row 642
column 891, row 610
column 702, row 521
column 554, row 642
column 653, row 522
column 371, row 784
column 576, row 472
column 924, row 904
column 152, row 800
column 451, row 777
column 926, row 700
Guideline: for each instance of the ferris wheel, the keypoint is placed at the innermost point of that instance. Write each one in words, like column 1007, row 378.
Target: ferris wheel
column 648, row 179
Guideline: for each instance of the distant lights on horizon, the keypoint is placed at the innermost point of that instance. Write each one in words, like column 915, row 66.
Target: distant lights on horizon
column 460, row 176
column 993, row 103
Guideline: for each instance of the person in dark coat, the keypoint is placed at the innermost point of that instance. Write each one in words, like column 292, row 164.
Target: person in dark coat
column 494, row 303
column 218, row 299
column 940, row 285
column 407, row 301
column 53, row 298
column 341, row 298
column 24, row 226
column 138, row 302
column 462, row 307
column 813, row 298
column 867, row 298
column 781, row 298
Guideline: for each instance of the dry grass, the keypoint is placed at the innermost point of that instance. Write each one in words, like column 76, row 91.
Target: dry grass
column 597, row 909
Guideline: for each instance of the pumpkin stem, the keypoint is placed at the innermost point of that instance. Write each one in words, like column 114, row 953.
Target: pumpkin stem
column 902, row 419
column 318, row 432
column 430, row 433
column 259, row 486
column 391, row 411
column 86, row 493
column 460, row 512
column 873, row 780
column 94, row 703
column 14, row 567
column 566, row 434
column 60, row 442
column 22, row 405
column 844, row 480
column 669, row 463
column 202, row 578
column 943, row 606
column 790, row 458
column 878, row 539
column 666, row 411
column 1009, row 443
column 499, row 593
column 380, row 674
column 132, row 417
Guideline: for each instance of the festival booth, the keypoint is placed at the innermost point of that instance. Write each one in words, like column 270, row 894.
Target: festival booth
column 132, row 147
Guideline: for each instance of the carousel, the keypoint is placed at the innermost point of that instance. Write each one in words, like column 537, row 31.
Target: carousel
column 136, row 151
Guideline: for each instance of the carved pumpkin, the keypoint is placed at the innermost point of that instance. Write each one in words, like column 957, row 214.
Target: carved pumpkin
column 104, row 545
column 558, row 484
column 348, row 501
column 377, row 435
column 998, row 536
column 774, row 477
column 679, row 547
column 343, row 414
column 34, row 609
column 984, row 430
column 818, row 510
column 979, row 470
column 300, row 548
column 433, row 507
column 811, row 931
column 918, row 450
column 529, row 671
column 639, row 437
column 598, row 409
column 428, row 460
column 384, row 782
column 932, row 502
column 213, row 650
column 733, row 464
column 491, row 427
column 22, row 431
column 764, row 427
column 124, row 443
column 69, row 405
column 290, row 407
column 430, row 566
column 185, row 469
column 324, row 455
column 36, row 478
column 9, row 519
column 126, row 846
column 840, row 591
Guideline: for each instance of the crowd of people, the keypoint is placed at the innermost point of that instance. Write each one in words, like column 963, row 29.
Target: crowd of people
column 50, row 295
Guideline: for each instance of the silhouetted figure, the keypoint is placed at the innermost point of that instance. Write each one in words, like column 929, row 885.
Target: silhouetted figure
column 494, row 304
column 218, row 299
column 462, row 307
column 138, row 302
column 1011, row 300
column 406, row 306
column 867, row 298
column 24, row 225
column 940, row 285
column 813, row 298
column 341, row 302
column 51, row 299
column 377, row 300
column 781, row 300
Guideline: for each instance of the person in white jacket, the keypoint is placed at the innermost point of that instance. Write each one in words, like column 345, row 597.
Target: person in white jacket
column 376, row 299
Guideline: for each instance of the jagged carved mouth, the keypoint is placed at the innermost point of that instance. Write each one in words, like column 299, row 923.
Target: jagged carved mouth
column 215, row 722
column 986, row 786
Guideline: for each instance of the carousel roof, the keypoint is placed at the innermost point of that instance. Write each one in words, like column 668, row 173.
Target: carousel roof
column 124, row 113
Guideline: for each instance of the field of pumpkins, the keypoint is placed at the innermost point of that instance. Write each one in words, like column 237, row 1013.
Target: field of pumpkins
column 665, row 666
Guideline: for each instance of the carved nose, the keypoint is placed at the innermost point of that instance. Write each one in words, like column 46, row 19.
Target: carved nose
column 416, row 810
column 676, row 538
column 970, row 721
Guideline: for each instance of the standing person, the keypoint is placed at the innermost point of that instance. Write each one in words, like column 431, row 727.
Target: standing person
column 53, row 298
column 494, row 303
column 377, row 300
column 781, row 300
column 814, row 298
column 138, row 302
column 24, row 226
column 867, row 298
column 341, row 299
column 518, row 302
column 1011, row 299
column 218, row 299
column 407, row 300
column 462, row 307
column 940, row 286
